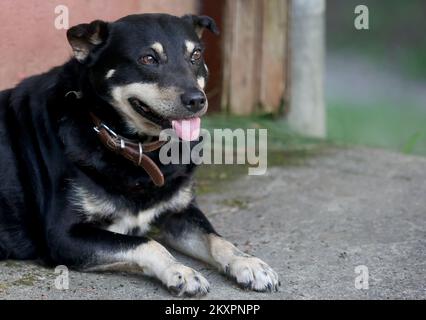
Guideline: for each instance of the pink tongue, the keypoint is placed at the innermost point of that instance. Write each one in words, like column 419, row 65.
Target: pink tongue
column 187, row 130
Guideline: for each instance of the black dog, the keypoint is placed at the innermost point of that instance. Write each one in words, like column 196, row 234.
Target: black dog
column 81, row 180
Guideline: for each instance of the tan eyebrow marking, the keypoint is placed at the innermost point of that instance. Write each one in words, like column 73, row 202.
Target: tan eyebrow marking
column 190, row 46
column 158, row 47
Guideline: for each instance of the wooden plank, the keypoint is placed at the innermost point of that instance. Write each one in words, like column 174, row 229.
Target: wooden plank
column 240, row 52
column 273, row 63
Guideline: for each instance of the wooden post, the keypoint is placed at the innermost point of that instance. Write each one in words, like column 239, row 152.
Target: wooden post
column 307, row 41
column 254, row 48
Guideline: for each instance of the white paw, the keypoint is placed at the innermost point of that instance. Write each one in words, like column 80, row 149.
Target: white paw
column 252, row 273
column 182, row 280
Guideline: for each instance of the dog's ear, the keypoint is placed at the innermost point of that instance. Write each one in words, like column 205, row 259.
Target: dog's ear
column 201, row 23
column 85, row 37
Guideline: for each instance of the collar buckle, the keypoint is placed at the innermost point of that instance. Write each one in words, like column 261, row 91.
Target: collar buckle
column 104, row 126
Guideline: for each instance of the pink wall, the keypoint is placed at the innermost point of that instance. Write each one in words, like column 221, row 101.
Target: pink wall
column 30, row 43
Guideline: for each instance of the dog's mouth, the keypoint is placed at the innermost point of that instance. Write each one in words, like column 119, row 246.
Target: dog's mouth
column 186, row 129
column 145, row 111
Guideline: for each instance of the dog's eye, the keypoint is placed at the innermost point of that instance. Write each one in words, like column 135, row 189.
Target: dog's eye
column 196, row 55
column 148, row 60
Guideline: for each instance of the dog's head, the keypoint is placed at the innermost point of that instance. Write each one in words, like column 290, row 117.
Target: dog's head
column 149, row 67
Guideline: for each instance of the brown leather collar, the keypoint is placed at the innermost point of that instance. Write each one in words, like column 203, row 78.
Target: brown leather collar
column 131, row 150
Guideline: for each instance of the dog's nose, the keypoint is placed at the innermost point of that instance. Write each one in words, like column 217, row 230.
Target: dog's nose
column 194, row 100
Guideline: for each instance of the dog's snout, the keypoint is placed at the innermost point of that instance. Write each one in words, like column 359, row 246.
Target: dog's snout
column 194, row 100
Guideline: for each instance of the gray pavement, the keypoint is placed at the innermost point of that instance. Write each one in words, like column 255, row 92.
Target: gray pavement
column 313, row 223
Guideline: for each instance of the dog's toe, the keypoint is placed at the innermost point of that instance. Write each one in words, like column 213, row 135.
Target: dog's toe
column 182, row 280
column 253, row 274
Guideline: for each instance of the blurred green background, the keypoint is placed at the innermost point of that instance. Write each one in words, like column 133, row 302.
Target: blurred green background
column 376, row 78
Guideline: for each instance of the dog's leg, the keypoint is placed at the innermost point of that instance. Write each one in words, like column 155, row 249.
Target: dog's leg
column 91, row 249
column 191, row 233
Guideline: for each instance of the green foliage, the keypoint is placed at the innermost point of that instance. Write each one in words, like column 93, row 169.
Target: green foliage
column 402, row 129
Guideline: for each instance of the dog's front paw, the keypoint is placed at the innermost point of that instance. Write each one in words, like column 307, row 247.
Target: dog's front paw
column 253, row 274
column 182, row 280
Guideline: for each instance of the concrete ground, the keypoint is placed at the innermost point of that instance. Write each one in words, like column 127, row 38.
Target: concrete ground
column 313, row 223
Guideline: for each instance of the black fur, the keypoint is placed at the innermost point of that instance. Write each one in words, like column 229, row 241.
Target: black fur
column 47, row 143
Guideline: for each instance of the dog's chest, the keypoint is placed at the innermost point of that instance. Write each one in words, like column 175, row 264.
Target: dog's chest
column 108, row 215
